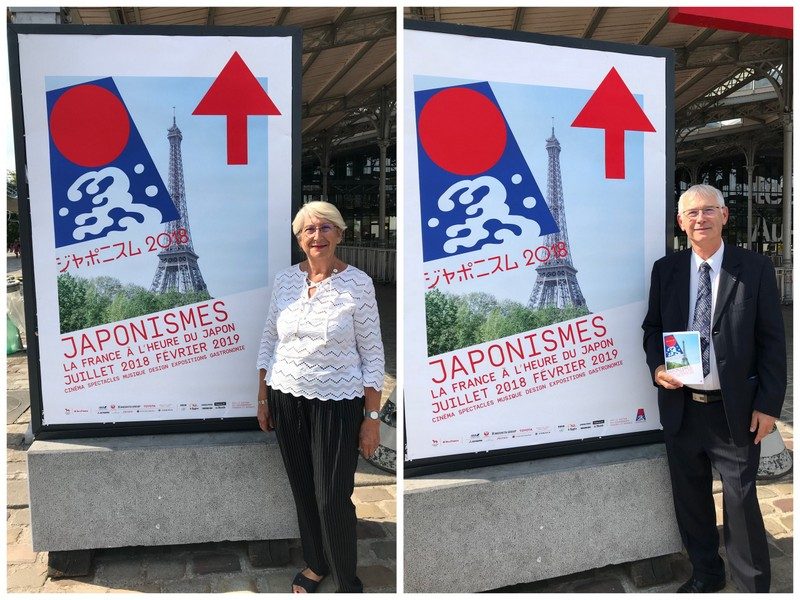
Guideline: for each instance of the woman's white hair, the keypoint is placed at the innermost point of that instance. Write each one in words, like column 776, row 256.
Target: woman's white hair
column 319, row 209
column 709, row 192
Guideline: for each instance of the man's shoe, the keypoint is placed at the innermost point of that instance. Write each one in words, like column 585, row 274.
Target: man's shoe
column 695, row 586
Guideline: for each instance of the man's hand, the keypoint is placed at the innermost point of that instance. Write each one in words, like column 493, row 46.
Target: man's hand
column 665, row 380
column 761, row 425
column 369, row 437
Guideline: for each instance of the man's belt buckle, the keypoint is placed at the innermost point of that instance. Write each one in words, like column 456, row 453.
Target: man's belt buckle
column 700, row 397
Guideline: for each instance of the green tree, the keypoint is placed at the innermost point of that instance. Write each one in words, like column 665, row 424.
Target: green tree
column 169, row 299
column 470, row 317
column 89, row 302
column 71, row 300
column 117, row 310
column 98, row 297
column 440, row 314
column 455, row 322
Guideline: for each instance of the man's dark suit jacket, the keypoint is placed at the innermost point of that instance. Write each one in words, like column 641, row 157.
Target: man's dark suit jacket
column 747, row 331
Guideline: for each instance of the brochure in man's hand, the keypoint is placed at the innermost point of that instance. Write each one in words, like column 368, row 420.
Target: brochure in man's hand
column 682, row 356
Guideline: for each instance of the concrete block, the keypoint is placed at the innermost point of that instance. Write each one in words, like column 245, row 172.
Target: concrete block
column 486, row 528
column 158, row 490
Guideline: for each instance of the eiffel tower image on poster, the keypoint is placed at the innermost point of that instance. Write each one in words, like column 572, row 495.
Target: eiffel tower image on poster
column 556, row 281
column 177, row 265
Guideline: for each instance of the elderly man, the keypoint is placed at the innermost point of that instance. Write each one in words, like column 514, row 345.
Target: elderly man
column 729, row 296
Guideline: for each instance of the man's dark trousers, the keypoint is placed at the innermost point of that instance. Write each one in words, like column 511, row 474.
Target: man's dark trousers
column 702, row 441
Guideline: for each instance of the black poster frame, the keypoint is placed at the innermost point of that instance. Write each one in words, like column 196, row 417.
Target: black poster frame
column 443, row 464
column 76, row 430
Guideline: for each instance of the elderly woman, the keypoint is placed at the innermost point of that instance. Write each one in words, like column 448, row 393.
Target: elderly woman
column 320, row 372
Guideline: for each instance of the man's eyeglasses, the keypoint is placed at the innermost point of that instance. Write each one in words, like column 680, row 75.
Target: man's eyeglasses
column 708, row 211
column 323, row 229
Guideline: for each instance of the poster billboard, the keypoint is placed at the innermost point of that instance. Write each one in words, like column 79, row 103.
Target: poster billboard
column 161, row 166
column 537, row 170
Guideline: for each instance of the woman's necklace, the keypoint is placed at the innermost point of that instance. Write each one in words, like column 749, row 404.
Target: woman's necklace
column 325, row 275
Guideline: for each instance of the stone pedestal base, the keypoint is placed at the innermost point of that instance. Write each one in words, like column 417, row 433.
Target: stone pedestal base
column 158, row 490
column 481, row 529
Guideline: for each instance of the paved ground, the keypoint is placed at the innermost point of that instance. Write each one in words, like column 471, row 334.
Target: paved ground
column 777, row 502
column 220, row 567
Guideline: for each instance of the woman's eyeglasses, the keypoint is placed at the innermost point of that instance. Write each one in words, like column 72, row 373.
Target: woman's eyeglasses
column 323, row 229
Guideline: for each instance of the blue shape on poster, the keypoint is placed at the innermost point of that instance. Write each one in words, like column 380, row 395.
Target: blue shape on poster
column 91, row 202
column 463, row 214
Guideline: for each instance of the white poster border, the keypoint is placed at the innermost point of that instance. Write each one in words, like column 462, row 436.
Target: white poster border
column 470, row 54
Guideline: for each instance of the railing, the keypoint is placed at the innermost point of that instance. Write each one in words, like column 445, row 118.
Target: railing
column 784, row 276
column 378, row 263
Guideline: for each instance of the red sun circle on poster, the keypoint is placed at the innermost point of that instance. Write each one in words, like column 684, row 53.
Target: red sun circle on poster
column 462, row 131
column 89, row 125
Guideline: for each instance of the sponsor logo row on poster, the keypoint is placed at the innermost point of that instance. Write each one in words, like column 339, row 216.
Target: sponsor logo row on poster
column 540, row 430
column 161, row 407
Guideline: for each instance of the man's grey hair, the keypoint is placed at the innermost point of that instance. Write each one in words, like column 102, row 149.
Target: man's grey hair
column 709, row 192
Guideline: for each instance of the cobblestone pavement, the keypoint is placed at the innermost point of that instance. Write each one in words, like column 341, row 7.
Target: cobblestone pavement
column 776, row 498
column 212, row 567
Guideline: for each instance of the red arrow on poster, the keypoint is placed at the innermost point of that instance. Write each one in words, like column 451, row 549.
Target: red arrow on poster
column 236, row 94
column 612, row 107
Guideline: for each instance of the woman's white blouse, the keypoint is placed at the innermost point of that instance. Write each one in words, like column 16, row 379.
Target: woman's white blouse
column 328, row 346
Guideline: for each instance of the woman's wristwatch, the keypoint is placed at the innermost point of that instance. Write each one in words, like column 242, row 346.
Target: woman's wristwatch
column 262, row 402
column 372, row 414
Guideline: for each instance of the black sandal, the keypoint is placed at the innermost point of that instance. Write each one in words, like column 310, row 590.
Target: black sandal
column 308, row 584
